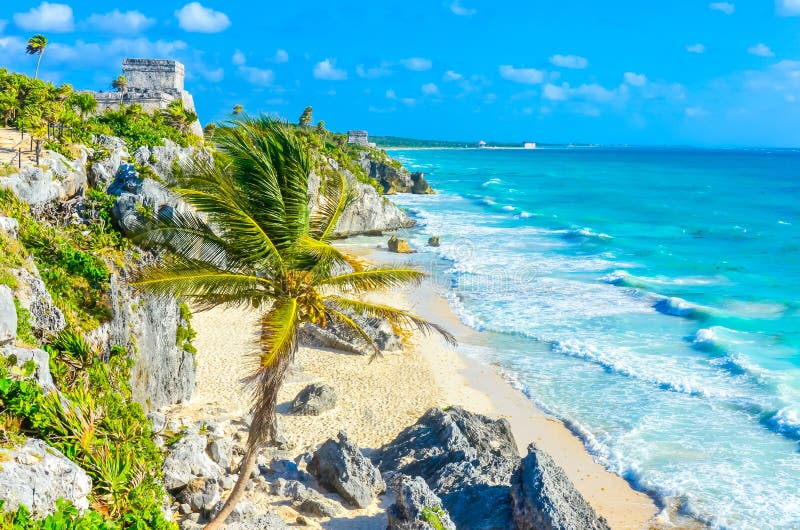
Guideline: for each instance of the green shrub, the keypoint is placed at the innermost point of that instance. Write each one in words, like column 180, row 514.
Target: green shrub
column 184, row 335
column 25, row 325
column 433, row 516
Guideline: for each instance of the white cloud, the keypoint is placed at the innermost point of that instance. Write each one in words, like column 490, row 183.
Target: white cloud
column 215, row 76
column 417, row 64
column 87, row 54
column 11, row 49
column 430, row 89
column 46, row 17
column 569, row 61
column 374, row 72
column 238, row 58
column 281, row 56
column 460, row 10
column 327, row 70
column 196, row 18
column 696, row 48
column 118, row 22
column 529, row 76
column 788, row 8
column 452, row 76
column 761, row 49
column 634, row 79
column 726, row 7
column 390, row 94
column 695, row 112
column 554, row 93
column 257, row 76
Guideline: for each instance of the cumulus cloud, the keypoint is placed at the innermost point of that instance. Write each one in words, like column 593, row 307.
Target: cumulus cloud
column 726, row 7
column 695, row 112
column 570, row 61
column 528, row 76
column 281, row 56
column 327, row 70
column 417, row 64
column 430, row 89
column 119, row 22
column 696, row 48
column 460, row 10
column 47, row 17
column 452, row 76
column 788, row 8
column 87, row 54
column 257, row 76
column 761, row 49
column 634, row 79
column 554, row 93
column 374, row 72
column 195, row 18
column 238, row 58
column 586, row 92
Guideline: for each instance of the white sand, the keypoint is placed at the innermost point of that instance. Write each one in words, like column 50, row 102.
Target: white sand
column 377, row 400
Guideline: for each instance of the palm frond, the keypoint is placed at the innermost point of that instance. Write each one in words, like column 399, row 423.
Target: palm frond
column 323, row 259
column 375, row 278
column 345, row 320
column 279, row 330
column 332, row 203
column 397, row 317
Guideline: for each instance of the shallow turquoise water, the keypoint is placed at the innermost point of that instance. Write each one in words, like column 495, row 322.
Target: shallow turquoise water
column 650, row 298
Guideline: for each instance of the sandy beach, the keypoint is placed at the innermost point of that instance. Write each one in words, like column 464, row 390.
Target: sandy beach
column 378, row 399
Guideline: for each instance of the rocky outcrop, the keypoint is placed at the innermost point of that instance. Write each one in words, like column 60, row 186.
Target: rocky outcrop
column 104, row 162
column 136, row 193
column 55, row 178
column 544, row 498
column 433, row 241
column 201, row 494
column 394, row 178
column 20, row 357
column 416, row 507
column 341, row 467
column 399, row 246
column 187, row 460
column 367, row 213
column 37, row 475
column 337, row 336
column 313, row 400
column 8, row 316
column 9, row 226
column 147, row 326
column 165, row 159
column 46, row 318
column 467, row 459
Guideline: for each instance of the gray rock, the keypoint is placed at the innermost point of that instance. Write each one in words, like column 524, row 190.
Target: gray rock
column 41, row 361
column 102, row 169
column 55, row 179
column 241, row 512
column 319, row 506
column 336, row 336
column 37, row 475
column 266, row 521
column 158, row 421
column 313, row 400
column 221, row 452
column 293, row 489
column 393, row 179
column 9, row 226
column 544, row 498
column 134, row 193
column 201, row 494
column 467, row 460
column 187, row 460
column 416, row 507
column 341, row 467
column 227, row 482
column 8, row 316
column 434, row 241
column 46, row 318
column 163, row 372
column 184, row 509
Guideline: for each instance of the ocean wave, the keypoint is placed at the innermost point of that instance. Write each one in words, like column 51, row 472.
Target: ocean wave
column 678, row 307
column 508, row 208
column 491, row 182
column 584, row 233
column 623, row 279
column 786, row 421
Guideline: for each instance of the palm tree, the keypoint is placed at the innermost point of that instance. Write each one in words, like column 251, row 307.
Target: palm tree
column 84, row 102
column 253, row 242
column 237, row 109
column 120, row 84
column 36, row 46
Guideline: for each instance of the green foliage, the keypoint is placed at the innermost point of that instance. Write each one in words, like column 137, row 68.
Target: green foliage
column 185, row 333
column 306, row 117
column 139, row 128
column 66, row 517
column 433, row 516
column 72, row 260
column 24, row 325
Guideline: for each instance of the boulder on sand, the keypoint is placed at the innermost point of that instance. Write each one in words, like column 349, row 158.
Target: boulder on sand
column 400, row 246
column 313, row 400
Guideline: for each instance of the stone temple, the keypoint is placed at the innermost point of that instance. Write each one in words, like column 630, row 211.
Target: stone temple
column 153, row 84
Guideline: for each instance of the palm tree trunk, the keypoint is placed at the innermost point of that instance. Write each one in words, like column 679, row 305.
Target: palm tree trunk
column 263, row 429
column 38, row 62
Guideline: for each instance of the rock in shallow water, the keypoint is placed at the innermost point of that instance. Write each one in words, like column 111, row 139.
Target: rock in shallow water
column 340, row 467
column 544, row 498
column 400, row 246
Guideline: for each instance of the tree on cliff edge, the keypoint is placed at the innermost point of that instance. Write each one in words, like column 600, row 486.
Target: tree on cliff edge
column 36, row 46
column 266, row 251
column 305, row 118
column 120, row 84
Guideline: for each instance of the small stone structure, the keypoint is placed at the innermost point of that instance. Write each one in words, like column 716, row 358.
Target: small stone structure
column 358, row 138
column 153, row 84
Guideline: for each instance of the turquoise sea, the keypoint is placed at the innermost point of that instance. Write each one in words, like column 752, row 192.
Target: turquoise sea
column 650, row 298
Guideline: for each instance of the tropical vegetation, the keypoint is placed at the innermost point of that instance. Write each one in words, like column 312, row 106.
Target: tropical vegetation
column 36, row 46
column 253, row 242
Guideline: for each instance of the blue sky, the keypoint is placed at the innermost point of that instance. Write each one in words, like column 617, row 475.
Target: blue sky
column 625, row 71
